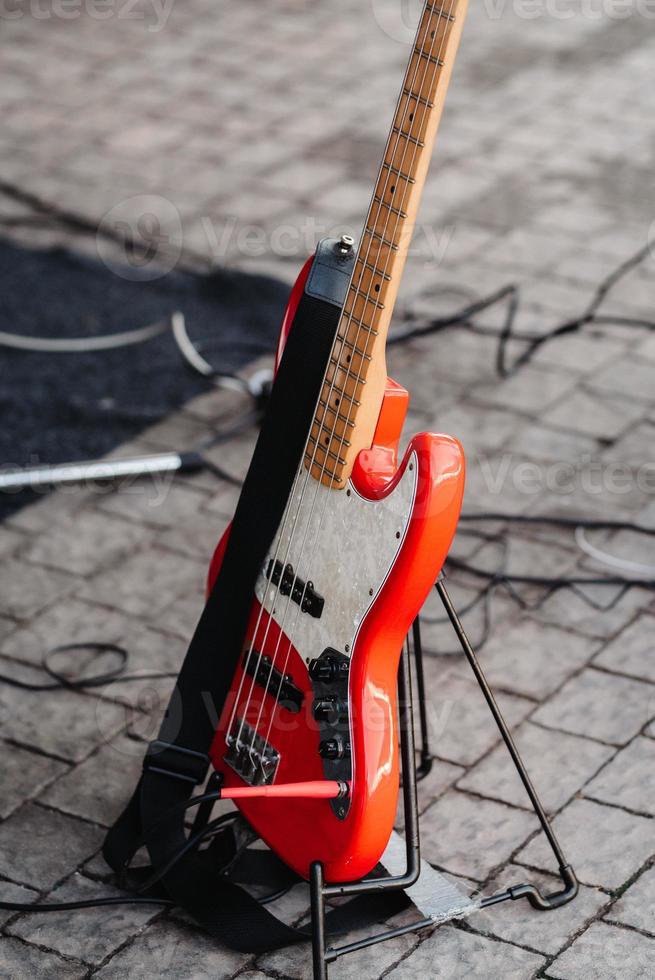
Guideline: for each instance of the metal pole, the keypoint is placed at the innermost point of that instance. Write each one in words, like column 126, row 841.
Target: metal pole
column 31, row 478
column 426, row 759
column 502, row 726
column 318, row 921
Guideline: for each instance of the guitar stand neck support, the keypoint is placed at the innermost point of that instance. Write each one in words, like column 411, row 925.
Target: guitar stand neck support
column 322, row 955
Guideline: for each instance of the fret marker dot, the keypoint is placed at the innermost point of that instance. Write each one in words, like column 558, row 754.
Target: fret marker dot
column 377, row 288
column 411, row 116
column 393, row 187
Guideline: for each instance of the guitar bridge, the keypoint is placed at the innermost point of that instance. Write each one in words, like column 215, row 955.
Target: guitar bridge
column 250, row 755
column 301, row 592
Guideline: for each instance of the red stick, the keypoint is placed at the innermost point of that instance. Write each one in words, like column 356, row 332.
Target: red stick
column 318, row 789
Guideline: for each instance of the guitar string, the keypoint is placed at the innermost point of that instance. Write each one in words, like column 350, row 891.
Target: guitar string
column 418, row 49
column 276, row 594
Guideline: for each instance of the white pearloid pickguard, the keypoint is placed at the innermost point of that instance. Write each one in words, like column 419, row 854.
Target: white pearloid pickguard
column 345, row 545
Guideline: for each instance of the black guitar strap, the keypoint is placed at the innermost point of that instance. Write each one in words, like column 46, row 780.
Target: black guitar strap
column 178, row 761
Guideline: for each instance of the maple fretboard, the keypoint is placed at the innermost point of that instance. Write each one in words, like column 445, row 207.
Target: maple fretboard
column 352, row 391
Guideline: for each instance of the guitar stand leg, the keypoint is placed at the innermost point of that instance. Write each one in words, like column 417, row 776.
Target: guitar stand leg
column 425, row 765
column 322, row 955
column 318, row 921
column 535, row 897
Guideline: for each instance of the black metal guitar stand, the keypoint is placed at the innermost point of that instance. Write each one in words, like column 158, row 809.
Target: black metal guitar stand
column 411, row 774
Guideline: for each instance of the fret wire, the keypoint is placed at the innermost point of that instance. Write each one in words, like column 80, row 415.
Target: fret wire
column 418, row 98
column 398, row 173
column 428, row 57
column 347, row 371
column 369, row 299
column 440, row 12
column 323, row 430
column 353, row 347
column 389, row 207
column 374, row 268
column 327, row 452
column 325, row 473
column 338, row 364
column 381, row 239
column 340, row 388
column 408, row 137
column 359, row 323
column 350, row 398
column 340, row 417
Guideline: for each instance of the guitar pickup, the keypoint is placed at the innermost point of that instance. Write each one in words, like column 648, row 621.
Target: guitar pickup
column 280, row 686
column 302, row 593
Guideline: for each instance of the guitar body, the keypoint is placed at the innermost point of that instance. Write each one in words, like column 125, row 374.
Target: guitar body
column 314, row 696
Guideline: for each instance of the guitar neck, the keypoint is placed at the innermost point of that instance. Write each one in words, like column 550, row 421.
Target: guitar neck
column 352, row 393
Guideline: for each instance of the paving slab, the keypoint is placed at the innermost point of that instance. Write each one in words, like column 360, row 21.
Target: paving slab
column 98, row 789
column 173, row 951
column 39, row 847
column 459, row 722
column 470, row 836
column 452, row 954
column 560, row 765
column 66, row 724
column 18, row 959
column 533, row 659
column 519, row 923
column 636, row 907
column 606, row 952
column 88, row 934
column 15, row 893
column 597, row 705
column 629, row 780
column 605, row 845
column 24, row 775
column 631, row 651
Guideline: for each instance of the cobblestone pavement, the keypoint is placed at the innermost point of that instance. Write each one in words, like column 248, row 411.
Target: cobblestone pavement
column 253, row 129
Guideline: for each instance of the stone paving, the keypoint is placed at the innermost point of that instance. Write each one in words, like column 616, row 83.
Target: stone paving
column 250, row 131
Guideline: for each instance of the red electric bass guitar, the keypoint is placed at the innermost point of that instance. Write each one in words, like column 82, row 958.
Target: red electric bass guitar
column 361, row 540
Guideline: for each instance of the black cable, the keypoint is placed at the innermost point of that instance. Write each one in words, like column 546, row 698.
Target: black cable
column 60, row 680
column 501, row 578
column 139, row 898
column 50, row 213
column 507, row 333
column 92, row 903
column 590, row 524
